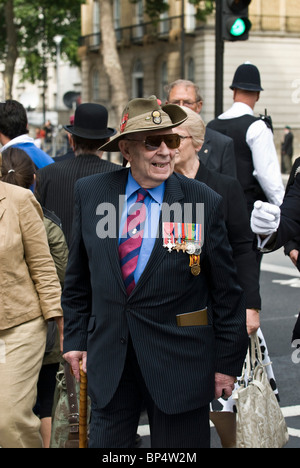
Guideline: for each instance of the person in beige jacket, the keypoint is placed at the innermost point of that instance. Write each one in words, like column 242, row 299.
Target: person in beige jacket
column 30, row 295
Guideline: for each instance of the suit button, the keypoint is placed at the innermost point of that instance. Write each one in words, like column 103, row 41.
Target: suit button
column 123, row 340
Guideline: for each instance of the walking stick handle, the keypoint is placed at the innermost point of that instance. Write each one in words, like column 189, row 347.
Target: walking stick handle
column 83, row 409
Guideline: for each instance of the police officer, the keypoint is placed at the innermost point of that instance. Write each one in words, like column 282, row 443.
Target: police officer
column 257, row 163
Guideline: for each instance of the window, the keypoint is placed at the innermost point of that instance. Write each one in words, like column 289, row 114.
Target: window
column 95, row 85
column 117, row 18
column 139, row 19
column 191, row 69
column 95, row 39
column 190, row 19
column 164, row 81
column 164, row 23
column 138, row 80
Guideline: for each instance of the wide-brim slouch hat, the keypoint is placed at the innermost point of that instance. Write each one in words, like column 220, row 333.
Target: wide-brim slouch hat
column 90, row 122
column 144, row 115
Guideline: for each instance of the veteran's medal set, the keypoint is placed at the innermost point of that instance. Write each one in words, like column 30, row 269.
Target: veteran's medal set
column 184, row 237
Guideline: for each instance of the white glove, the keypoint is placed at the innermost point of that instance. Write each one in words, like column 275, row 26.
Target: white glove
column 265, row 218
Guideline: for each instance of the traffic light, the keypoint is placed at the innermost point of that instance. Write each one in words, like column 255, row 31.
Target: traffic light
column 235, row 21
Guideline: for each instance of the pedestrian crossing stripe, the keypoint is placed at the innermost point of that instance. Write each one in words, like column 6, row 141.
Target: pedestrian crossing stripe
column 288, row 412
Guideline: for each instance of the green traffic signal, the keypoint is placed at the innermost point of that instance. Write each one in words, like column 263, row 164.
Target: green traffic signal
column 238, row 28
column 235, row 22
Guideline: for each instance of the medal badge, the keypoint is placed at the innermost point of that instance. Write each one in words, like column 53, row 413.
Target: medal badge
column 184, row 237
column 156, row 117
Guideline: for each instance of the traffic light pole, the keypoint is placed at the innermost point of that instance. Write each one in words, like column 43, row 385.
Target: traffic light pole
column 219, row 60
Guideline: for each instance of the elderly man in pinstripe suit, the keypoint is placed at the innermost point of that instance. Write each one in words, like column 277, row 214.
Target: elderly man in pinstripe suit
column 163, row 324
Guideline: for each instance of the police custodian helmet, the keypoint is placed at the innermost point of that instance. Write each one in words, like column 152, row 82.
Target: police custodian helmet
column 247, row 77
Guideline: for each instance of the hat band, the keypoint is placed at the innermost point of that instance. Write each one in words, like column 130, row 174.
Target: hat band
column 148, row 121
column 89, row 131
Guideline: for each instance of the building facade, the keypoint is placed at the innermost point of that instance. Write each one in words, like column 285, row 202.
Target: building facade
column 154, row 55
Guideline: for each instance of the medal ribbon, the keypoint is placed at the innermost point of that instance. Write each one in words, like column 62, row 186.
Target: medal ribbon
column 182, row 231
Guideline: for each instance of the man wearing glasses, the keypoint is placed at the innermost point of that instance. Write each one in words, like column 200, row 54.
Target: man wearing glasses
column 217, row 152
column 151, row 301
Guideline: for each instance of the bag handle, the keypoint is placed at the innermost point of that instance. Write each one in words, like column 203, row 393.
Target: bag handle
column 253, row 356
column 256, row 354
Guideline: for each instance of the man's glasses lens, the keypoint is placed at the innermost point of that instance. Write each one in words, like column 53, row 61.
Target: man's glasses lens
column 184, row 103
column 153, row 142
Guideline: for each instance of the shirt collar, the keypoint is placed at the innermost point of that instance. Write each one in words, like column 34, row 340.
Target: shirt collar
column 19, row 139
column 157, row 193
column 237, row 110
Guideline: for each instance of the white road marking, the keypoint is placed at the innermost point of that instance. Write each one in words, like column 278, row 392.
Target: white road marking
column 282, row 270
column 288, row 412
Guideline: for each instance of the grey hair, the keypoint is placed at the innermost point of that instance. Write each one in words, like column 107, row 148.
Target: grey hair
column 187, row 84
column 194, row 125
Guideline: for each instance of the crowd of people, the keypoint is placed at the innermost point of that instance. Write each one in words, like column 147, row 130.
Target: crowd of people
column 147, row 275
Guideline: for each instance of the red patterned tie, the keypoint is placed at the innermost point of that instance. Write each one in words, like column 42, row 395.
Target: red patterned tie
column 131, row 239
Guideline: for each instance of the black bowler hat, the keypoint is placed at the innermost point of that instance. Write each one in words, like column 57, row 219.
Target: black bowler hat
column 247, row 77
column 90, row 122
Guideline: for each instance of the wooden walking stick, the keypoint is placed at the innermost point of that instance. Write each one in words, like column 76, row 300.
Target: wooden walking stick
column 83, row 438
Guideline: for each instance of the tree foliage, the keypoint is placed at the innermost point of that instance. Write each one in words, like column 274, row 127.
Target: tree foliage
column 27, row 29
column 154, row 8
column 36, row 22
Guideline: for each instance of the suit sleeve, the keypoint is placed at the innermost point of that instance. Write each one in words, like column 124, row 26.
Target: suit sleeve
column 76, row 297
column 228, row 302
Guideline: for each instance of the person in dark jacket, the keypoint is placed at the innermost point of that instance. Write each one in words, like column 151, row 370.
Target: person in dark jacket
column 55, row 184
column 277, row 227
column 240, row 237
column 217, row 151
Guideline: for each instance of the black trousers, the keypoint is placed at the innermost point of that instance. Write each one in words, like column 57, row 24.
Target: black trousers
column 115, row 426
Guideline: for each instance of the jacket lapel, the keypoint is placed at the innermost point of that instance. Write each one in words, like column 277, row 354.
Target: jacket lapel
column 115, row 196
column 205, row 150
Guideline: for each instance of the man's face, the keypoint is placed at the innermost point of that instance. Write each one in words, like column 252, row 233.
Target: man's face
column 150, row 165
column 185, row 96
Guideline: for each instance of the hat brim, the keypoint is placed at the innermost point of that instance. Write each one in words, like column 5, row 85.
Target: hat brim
column 246, row 87
column 90, row 134
column 176, row 114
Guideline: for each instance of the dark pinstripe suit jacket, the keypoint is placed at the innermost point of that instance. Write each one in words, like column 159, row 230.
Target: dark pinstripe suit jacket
column 55, row 185
column 177, row 363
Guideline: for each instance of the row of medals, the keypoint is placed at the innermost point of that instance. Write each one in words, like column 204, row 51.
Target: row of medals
column 191, row 248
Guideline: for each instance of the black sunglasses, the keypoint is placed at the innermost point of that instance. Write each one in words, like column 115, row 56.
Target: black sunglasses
column 152, row 142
